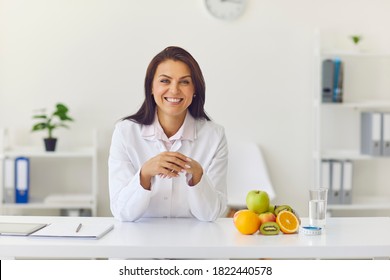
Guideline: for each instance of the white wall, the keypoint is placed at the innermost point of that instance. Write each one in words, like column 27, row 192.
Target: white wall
column 92, row 55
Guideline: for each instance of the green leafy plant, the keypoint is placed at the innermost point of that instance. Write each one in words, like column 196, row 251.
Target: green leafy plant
column 52, row 121
column 356, row 39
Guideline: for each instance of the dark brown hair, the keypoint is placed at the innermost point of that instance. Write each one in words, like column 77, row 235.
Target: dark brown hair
column 146, row 112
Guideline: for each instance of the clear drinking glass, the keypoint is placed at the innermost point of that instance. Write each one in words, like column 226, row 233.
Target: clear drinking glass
column 318, row 206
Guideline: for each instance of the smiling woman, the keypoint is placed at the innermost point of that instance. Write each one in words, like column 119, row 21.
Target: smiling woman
column 169, row 159
column 173, row 92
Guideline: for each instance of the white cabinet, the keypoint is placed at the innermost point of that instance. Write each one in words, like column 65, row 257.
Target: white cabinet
column 337, row 126
column 61, row 181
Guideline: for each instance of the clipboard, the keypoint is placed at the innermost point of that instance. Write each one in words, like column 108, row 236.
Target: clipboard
column 87, row 230
column 20, row 229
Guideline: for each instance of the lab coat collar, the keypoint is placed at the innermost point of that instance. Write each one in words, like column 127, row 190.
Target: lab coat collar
column 154, row 131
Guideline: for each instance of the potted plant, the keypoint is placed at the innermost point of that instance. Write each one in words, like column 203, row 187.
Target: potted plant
column 50, row 122
column 356, row 39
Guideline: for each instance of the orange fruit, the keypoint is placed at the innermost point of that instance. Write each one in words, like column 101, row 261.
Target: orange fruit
column 287, row 221
column 246, row 221
column 237, row 213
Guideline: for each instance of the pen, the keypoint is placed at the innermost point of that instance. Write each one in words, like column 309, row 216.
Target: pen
column 79, row 227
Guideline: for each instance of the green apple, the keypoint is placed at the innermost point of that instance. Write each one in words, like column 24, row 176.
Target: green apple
column 271, row 208
column 257, row 201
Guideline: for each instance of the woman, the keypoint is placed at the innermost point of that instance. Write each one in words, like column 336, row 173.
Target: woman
column 169, row 159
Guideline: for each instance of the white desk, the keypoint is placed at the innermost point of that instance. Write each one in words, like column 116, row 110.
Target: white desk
column 348, row 238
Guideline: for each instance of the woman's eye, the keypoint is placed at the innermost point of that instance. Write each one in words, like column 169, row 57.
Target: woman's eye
column 164, row 81
column 185, row 82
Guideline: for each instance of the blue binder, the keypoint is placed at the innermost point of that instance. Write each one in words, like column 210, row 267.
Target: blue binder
column 338, row 81
column 22, row 179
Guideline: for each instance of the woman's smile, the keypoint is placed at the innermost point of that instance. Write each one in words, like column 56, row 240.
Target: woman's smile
column 173, row 100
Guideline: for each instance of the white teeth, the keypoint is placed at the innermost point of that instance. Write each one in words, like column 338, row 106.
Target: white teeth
column 173, row 99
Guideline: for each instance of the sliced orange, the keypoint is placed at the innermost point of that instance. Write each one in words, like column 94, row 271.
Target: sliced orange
column 287, row 221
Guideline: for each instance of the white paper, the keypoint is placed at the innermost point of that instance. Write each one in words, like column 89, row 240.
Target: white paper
column 68, row 229
column 19, row 228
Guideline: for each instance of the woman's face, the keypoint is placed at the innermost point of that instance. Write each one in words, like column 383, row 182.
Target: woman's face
column 172, row 88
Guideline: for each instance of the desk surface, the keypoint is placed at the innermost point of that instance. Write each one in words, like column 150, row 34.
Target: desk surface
column 348, row 238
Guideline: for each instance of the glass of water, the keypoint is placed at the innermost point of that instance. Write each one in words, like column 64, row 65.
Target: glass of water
column 317, row 206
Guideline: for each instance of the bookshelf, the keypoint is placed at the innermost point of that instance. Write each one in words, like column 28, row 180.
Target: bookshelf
column 64, row 181
column 337, row 126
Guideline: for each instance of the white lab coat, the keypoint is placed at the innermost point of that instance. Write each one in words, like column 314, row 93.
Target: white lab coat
column 130, row 148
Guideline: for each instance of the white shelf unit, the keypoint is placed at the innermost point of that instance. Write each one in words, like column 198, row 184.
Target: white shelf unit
column 47, row 194
column 336, row 126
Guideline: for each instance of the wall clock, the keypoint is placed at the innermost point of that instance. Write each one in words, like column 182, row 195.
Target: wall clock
column 226, row 9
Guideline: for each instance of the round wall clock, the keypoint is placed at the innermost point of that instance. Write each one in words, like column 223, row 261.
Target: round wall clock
column 226, row 9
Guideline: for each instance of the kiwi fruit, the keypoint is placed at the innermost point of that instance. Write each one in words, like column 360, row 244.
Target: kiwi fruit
column 269, row 228
column 281, row 208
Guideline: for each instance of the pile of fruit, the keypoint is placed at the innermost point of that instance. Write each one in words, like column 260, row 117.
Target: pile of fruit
column 264, row 217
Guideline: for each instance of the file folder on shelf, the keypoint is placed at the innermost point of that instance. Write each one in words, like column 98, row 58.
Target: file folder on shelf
column 326, row 177
column 22, row 179
column 9, row 180
column 336, row 184
column 325, row 174
column 386, row 134
column 371, row 133
column 346, row 194
column 327, row 80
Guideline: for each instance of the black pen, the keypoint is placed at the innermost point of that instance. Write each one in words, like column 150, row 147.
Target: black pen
column 79, row 227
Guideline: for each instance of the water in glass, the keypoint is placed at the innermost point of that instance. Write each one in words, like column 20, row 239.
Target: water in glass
column 317, row 212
